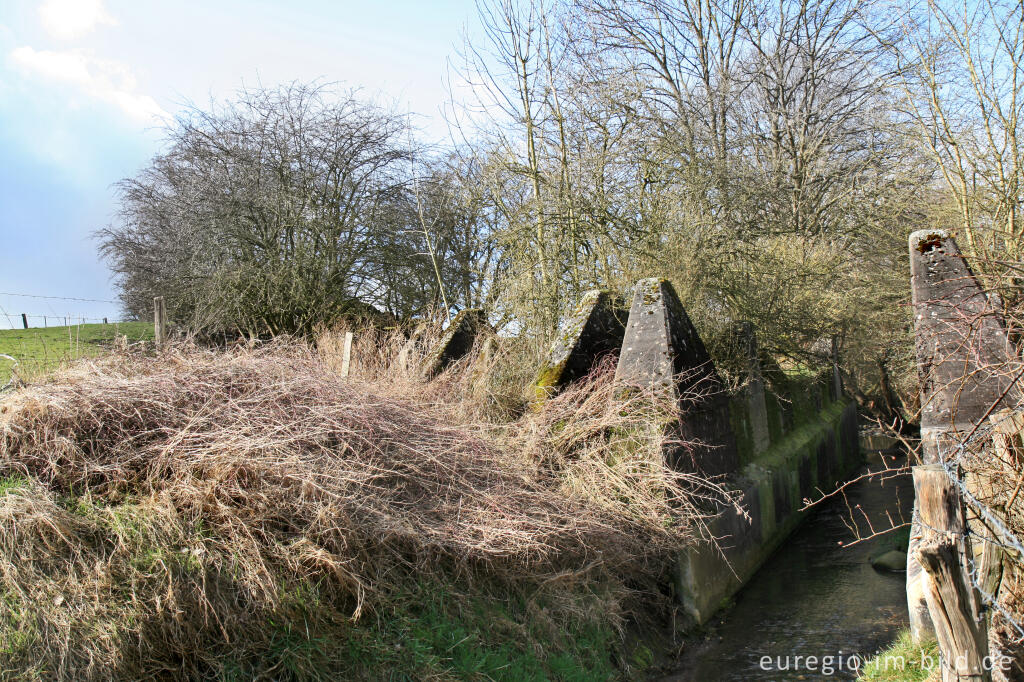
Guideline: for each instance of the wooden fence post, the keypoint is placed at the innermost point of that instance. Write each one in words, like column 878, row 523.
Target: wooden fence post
column 346, row 357
column 24, row 320
column 953, row 603
column 159, row 321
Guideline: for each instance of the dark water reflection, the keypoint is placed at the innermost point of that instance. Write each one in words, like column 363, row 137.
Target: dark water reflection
column 813, row 597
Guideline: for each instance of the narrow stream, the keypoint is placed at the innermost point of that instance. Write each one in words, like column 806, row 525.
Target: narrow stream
column 813, row 597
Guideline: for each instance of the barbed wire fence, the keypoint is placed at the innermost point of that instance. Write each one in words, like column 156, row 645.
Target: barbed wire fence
column 21, row 318
column 30, row 321
column 979, row 444
column 60, row 298
column 66, row 320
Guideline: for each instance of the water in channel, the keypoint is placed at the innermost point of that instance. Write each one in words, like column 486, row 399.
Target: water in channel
column 813, row 597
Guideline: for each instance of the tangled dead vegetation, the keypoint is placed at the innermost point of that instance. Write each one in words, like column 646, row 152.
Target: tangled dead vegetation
column 157, row 513
column 993, row 466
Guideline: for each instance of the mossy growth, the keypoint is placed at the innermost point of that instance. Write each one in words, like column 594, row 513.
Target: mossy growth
column 775, row 417
column 592, row 331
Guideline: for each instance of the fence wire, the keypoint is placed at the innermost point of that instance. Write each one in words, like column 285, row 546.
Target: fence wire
column 953, row 462
column 13, row 380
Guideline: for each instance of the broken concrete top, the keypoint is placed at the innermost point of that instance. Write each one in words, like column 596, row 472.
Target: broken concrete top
column 457, row 340
column 962, row 345
column 594, row 330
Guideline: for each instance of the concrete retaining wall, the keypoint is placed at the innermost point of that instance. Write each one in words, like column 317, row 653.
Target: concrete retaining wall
column 819, row 449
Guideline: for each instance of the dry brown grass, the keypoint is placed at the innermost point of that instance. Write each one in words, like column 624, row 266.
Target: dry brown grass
column 489, row 385
column 159, row 512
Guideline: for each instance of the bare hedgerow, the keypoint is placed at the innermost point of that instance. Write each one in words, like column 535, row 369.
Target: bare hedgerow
column 160, row 512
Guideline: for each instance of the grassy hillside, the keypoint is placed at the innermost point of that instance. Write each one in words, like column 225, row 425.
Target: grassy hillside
column 43, row 349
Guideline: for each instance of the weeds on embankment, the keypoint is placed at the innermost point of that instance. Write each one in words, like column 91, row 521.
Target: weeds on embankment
column 904, row 661
column 245, row 513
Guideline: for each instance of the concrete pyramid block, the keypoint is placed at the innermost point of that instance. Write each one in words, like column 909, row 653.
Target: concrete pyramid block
column 457, row 341
column 663, row 351
column 961, row 342
column 593, row 331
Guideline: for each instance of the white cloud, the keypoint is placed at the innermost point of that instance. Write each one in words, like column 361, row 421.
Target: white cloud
column 66, row 19
column 105, row 80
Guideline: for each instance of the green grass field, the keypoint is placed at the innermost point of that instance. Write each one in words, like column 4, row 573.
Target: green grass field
column 40, row 350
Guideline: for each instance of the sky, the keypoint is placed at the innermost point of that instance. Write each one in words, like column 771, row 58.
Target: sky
column 86, row 85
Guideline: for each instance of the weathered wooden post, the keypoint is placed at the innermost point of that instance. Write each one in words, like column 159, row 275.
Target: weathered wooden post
column 24, row 320
column 346, row 357
column 105, row 321
column 943, row 551
column 159, row 321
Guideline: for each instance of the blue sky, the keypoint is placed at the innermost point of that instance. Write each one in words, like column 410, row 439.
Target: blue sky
column 85, row 84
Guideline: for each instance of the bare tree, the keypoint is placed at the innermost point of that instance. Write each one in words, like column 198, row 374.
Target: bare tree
column 272, row 213
column 962, row 67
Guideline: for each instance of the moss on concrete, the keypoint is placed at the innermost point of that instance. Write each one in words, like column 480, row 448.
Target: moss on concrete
column 593, row 329
column 775, row 423
column 796, row 441
column 739, row 415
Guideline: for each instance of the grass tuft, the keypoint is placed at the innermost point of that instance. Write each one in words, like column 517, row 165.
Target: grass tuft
column 904, row 661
